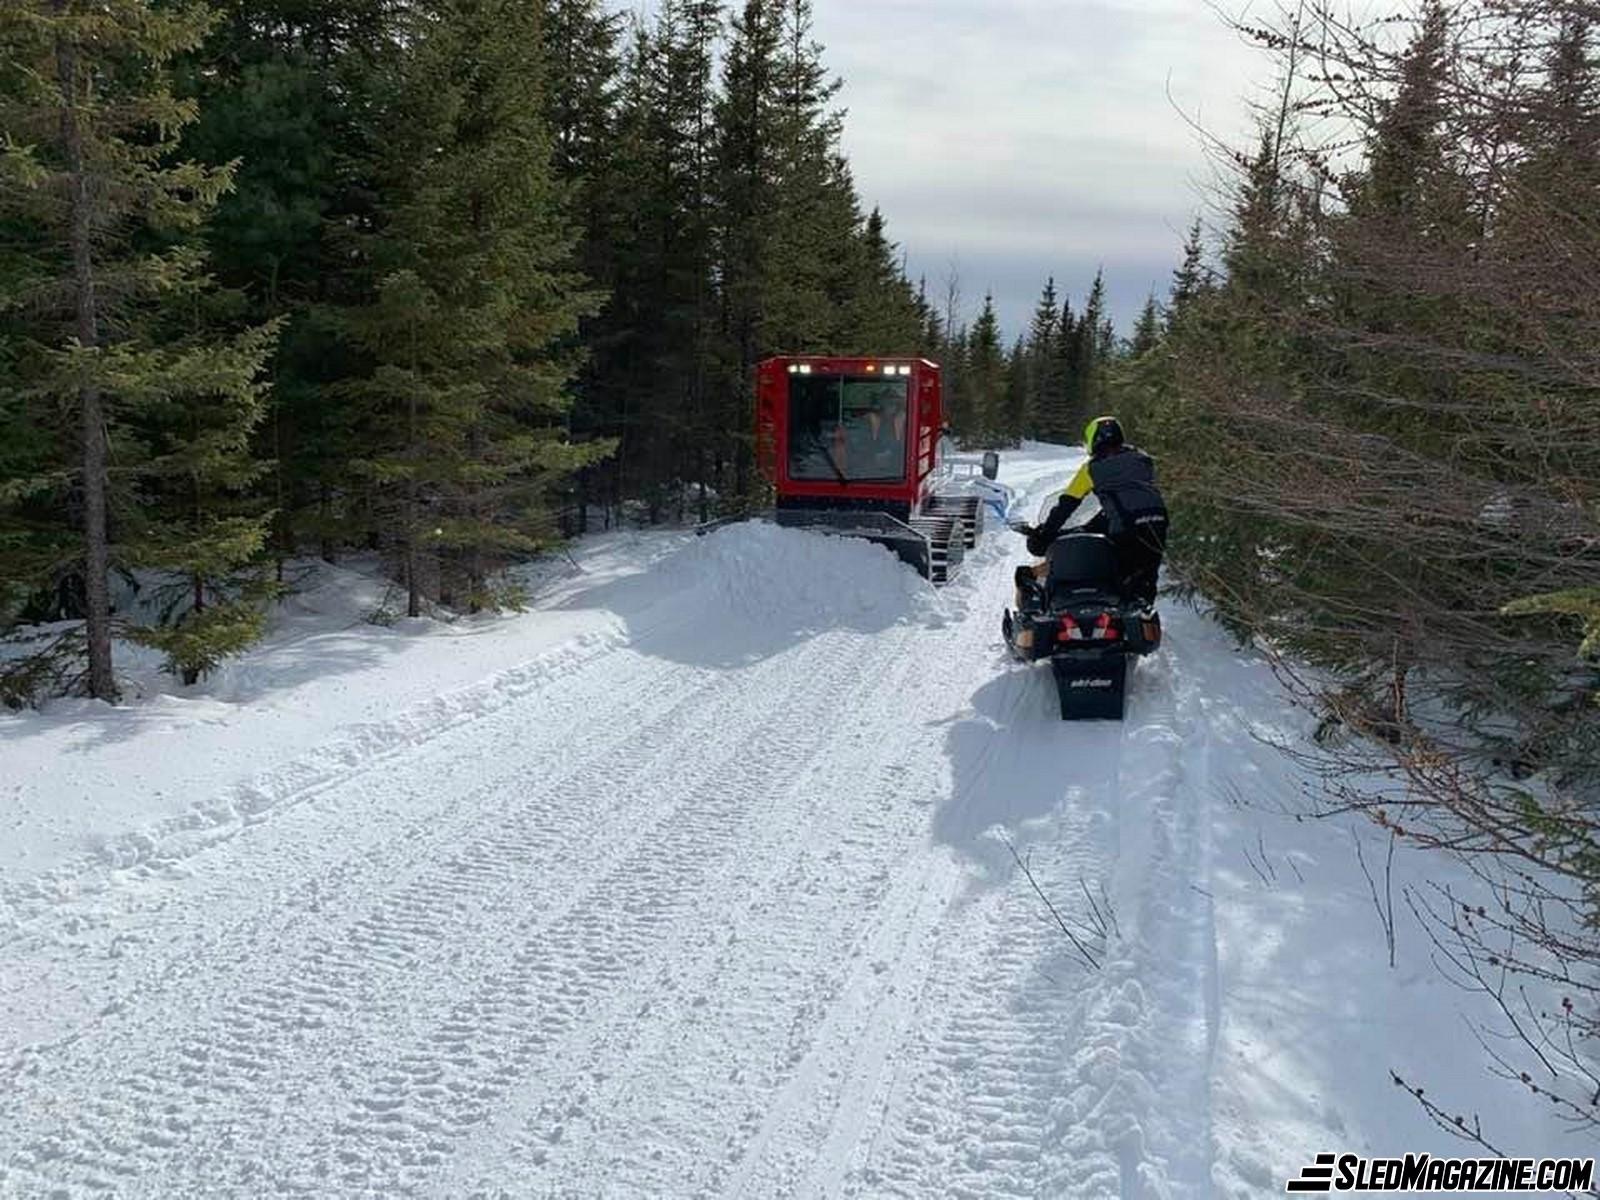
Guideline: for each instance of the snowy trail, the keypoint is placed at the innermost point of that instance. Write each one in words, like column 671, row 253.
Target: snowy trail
column 637, row 927
column 716, row 898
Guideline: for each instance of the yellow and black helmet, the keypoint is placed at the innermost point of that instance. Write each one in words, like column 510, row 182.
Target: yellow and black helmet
column 1102, row 433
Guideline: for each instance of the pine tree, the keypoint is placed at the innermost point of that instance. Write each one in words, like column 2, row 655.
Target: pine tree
column 583, row 112
column 475, row 308
column 1147, row 329
column 283, row 88
column 1015, row 421
column 1058, row 398
column 98, row 230
column 881, row 315
column 1043, row 378
column 1189, row 280
column 985, row 379
column 747, row 171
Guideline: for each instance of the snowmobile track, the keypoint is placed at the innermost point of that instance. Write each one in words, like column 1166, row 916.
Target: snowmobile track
column 273, row 1019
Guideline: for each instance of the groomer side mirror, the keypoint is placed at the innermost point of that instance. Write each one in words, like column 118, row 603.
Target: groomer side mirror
column 991, row 464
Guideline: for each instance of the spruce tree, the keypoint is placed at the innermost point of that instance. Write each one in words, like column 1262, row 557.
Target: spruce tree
column 1015, row 420
column 1043, row 379
column 1147, row 329
column 99, row 221
column 985, row 379
column 930, row 337
column 583, row 112
column 747, row 171
column 959, row 412
column 1189, row 280
column 285, row 90
column 881, row 314
column 470, row 332
column 1060, row 373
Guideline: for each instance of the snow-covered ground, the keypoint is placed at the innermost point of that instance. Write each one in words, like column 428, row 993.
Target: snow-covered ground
column 699, row 880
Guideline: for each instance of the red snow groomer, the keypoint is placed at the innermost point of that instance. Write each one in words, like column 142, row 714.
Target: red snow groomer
column 852, row 447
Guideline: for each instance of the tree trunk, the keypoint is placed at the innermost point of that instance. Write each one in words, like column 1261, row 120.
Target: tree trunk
column 96, row 538
column 413, row 585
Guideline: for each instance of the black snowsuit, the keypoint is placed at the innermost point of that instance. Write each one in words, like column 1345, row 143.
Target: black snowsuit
column 1132, row 513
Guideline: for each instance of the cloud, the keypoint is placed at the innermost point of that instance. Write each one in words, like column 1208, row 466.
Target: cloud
column 1021, row 138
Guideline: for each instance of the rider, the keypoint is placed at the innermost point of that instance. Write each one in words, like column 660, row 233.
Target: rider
column 1132, row 512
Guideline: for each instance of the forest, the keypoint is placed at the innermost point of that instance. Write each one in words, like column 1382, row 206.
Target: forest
column 449, row 282
column 445, row 280
column 1377, row 411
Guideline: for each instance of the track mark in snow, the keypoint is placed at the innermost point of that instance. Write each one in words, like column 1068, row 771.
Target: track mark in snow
column 309, row 1009
column 730, row 1002
column 621, row 927
column 1134, row 1119
column 56, row 897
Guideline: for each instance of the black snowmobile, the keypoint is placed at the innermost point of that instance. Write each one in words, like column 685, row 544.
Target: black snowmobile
column 1082, row 623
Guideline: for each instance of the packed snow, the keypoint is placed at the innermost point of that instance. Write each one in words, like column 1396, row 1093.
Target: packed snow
column 717, row 873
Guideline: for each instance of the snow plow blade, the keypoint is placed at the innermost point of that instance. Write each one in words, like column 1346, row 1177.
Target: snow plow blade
column 932, row 545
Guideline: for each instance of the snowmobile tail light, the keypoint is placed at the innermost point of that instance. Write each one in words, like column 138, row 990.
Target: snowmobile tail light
column 1105, row 630
column 1071, row 631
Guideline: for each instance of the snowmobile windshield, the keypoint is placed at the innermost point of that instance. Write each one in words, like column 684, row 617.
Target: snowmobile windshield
column 847, row 428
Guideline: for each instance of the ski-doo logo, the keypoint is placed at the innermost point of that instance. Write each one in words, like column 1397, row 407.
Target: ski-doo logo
column 1094, row 683
column 1424, row 1173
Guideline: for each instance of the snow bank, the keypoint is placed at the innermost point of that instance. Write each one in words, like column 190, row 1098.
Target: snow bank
column 759, row 574
column 83, row 778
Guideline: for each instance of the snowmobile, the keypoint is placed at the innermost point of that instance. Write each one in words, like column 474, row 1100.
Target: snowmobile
column 1079, row 620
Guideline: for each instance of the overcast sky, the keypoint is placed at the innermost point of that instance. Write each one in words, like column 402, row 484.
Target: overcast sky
column 1023, row 138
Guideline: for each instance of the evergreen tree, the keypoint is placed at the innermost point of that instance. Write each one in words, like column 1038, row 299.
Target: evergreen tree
column 1057, row 399
column 1406, row 157
column 283, row 88
column 583, row 103
column 1189, row 280
column 930, row 338
column 813, row 251
column 985, row 380
column 881, row 314
column 747, row 157
column 98, row 224
column 583, row 70
column 475, row 307
column 1043, row 377
column 1147, row 330
column 959, row 411
column 1014, row 423
column 664, row 363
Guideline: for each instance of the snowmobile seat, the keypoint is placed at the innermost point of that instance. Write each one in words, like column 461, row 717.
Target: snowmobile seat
column 1082, row 566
